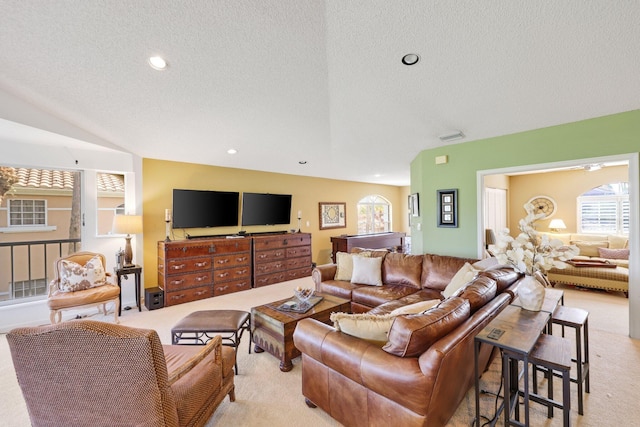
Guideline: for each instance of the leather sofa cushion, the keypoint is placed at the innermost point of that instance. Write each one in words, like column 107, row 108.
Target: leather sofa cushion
column 412, row 335
column 373, row 296
column 438, row 270
column 419, row 296
column 504, row 277
column 478, row 292
column 402, row 269
column 339, row 288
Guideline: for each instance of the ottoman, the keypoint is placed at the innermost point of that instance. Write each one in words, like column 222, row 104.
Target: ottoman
column 200, row 326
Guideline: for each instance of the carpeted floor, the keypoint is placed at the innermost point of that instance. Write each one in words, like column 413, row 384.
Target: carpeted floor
column 267, row 397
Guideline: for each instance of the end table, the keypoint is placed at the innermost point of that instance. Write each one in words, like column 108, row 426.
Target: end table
column 136, row 270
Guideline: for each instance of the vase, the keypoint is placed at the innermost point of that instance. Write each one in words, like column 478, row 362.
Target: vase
column 531, row 293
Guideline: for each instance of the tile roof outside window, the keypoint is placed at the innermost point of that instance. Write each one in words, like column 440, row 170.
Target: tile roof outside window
column 57, row 179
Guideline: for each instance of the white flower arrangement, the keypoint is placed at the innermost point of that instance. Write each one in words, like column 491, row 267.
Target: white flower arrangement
column 531, row 252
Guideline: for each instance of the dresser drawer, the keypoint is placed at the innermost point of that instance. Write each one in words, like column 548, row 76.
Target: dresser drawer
column 233, row 273
column 230, row 260
column 185, row 265
column 173, row 283
column 298, row 273
column 269, row 267
column 293, row 263
column 269, row 279
column 187, row 249
column 298, row 251
column 187, row 295
column 233, row 286
column 267, row 256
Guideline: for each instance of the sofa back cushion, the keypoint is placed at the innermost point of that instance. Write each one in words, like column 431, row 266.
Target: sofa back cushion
column 504, row 277
column 402, row 269
column 411, row 335
column 438, row 270
column 590, row 248
column 478, row 292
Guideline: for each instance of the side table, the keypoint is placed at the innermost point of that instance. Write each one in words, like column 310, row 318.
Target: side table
column 136, row 270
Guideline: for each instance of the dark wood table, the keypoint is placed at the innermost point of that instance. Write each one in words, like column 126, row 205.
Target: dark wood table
column 520, row 332
column 124, row 271
column 273, row 329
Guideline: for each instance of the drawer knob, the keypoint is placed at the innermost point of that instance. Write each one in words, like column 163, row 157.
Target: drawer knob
column 178, row 267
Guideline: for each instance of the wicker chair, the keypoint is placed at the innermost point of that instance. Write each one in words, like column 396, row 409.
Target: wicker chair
column 98, row 296
column 90, row 373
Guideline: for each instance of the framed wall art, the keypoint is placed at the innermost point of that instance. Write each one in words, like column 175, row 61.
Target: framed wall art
column 414, row 204
column 448, row 208
column 332, row 215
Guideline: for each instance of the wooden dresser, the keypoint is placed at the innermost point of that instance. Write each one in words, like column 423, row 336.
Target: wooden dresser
column 190, row 270
column 390, row 240
column 281, row 257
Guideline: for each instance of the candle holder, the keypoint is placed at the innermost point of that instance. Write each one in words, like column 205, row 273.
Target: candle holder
column 299, row 219
column 167, row 230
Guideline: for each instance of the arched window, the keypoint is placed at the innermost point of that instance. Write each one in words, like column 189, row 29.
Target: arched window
column 605, row 209
column 374, row 215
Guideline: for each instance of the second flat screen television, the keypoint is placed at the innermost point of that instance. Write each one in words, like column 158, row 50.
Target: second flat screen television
column 266, row 209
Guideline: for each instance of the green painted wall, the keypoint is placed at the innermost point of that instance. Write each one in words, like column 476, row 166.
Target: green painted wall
column 603, row 136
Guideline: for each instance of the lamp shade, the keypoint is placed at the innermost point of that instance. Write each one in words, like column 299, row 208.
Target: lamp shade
column 127, row 224
column 557, row 225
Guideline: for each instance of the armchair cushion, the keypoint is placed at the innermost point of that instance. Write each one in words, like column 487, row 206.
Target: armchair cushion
column 75, row 277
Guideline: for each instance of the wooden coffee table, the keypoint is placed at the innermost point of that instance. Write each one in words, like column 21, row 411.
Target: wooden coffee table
column 273, row 329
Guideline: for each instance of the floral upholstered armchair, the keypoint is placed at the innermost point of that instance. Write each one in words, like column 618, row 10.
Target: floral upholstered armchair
column 81, row 280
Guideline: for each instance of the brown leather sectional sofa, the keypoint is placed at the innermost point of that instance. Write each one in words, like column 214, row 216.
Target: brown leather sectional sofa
column 425, row 369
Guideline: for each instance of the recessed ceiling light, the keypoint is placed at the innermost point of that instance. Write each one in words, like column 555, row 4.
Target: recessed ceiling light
column 232, row 151
column 377, row 175
column 410, row 59
column 157, row 63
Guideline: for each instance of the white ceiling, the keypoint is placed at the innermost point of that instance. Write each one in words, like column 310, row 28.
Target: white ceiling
column 321, row 81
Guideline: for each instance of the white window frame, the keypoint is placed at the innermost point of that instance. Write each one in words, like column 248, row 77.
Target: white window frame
column 612, row 212
column 370, row 203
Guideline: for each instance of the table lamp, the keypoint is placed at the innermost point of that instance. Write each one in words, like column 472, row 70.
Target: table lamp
column 127, row 224
column 556, row 225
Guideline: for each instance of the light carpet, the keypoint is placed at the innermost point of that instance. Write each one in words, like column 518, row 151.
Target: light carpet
column 267, row 397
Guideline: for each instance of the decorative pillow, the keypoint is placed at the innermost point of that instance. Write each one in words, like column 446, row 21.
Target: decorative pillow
column 613, row 253
column 74, row 277
column 369, row 327
column 344, row 261
column 412, row 334
column 483, row 264
column 415, row 308
column 589, row 248
column 367, row 271
column 462, row 277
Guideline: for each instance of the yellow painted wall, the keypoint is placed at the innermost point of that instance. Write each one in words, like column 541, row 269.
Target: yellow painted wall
column 562, row 186
column 160, row 177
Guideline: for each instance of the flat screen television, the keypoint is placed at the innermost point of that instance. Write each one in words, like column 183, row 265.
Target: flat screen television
column 205, row 208
column 266, row 209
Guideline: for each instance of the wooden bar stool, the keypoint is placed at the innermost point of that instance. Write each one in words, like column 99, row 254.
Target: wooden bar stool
column 552, row 354
column 578, row 319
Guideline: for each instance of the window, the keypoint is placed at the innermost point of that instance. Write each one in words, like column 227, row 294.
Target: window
column 27, row 212
column 374, row 215
column 605, row 209
column 111, row 195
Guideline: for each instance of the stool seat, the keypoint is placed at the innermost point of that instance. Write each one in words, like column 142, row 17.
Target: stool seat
column 578, row 319
column 554, row 354
column 199, row 327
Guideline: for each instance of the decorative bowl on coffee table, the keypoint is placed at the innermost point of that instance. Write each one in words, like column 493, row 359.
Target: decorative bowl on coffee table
column 303, row 295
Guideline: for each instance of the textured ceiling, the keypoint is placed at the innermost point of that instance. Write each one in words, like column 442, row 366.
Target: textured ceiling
column 283, row 81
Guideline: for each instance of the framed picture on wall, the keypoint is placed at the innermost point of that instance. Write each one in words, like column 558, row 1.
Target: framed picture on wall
column 332, row 215
column 448, row 208
column 414, row 204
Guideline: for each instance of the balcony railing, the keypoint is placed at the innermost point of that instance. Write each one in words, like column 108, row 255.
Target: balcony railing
column 27, row 267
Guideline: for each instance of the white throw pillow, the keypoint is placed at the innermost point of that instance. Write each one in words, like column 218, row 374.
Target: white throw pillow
column 344, row 264
column 75, row 277
column 369, row 327
column 483, row 264
column 367, row 271
column 466, row 274
column 415, row 308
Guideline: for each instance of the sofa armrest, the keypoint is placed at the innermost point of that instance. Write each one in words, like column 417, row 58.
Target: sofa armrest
column 399, row 379
column 214, row 345
column 323, row 272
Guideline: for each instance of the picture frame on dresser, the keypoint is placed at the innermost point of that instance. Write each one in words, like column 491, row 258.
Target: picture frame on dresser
column 447, row 208
column 332, row 215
